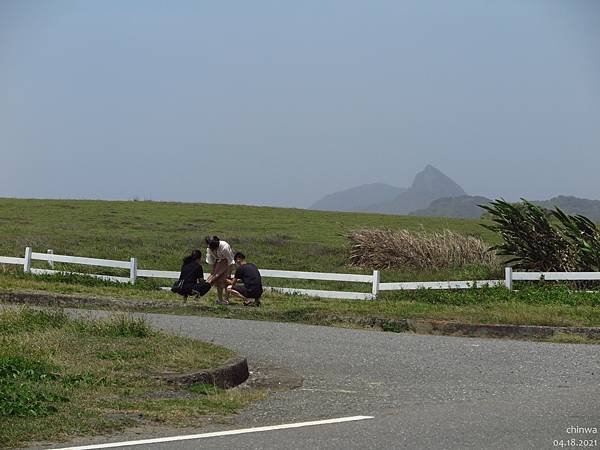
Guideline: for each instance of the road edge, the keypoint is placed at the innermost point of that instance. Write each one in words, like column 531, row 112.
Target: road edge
column 418, row 326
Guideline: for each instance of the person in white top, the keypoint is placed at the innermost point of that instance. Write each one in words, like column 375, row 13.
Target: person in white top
column 220, row 255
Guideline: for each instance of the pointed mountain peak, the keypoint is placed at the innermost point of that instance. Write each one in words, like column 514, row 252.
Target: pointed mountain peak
column 433, row 180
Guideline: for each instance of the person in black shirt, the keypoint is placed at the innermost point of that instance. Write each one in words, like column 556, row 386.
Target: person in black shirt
column 191, row 280
column 248, row 274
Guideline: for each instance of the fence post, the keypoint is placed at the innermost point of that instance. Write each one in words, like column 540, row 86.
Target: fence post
column 27, row 263
column 133, row 271
column 508, row 278
column 376, row 278
column 50, row 262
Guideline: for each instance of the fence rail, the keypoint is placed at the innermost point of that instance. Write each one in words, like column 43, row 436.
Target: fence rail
column 324, row 294
column 112, row 278
column 317, row 276
column 165, row 274
column 411, row 286
column 510, row 276
column 51, row 257
column 11, row 260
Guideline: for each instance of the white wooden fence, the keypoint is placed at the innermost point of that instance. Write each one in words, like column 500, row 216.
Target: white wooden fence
column 510, row 276
column 374, row 279
column 371, row 279
column 412, row 285
column 135, row 272
column 51, row 258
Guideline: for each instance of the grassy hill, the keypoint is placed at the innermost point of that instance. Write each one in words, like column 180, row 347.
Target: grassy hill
column 160, row 233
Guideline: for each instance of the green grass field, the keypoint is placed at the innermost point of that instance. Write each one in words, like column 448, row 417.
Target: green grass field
column 160, row 234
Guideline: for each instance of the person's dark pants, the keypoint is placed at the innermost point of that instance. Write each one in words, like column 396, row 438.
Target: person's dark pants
column 197, row 289
column 248, row 293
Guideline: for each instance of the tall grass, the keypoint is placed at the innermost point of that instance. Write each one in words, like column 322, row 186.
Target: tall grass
column 418, row 250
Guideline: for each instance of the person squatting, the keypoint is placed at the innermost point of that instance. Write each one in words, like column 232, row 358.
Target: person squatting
column 244, row 284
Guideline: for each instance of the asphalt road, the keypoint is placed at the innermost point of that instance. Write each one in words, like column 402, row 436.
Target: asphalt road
column 424, row 392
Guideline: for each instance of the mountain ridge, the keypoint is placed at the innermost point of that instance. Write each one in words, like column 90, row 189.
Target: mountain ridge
column 466, row 206
column 432, row 193
column 428, row 185
column 355, row 197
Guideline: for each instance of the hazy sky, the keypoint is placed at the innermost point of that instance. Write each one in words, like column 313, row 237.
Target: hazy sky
column 281, row 102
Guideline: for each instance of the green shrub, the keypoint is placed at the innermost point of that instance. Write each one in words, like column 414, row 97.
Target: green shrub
column 19, row 399
column 21, row 367
column 23, row 388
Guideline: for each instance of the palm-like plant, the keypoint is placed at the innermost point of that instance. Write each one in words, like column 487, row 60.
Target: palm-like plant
column 529, row 238
column 584, row 235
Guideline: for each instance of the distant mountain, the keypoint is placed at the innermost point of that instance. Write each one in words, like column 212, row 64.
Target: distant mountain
column 434, row 194
column 428, row 185
column 573, row 205
column 357, row 198
column 466, row 206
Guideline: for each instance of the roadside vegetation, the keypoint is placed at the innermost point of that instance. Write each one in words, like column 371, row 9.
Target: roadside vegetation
column 159, row 234
column 532, row 303
column 62, row 377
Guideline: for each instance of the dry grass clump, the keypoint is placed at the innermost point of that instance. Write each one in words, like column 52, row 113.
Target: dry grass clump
column 387, row 249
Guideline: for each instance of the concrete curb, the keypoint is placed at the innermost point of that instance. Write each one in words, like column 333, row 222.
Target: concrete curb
column 448, row 328
column 419, row 326
column 233, row 373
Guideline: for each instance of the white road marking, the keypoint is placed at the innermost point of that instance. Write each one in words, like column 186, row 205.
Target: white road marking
column 341, row 391
column 219, row 433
